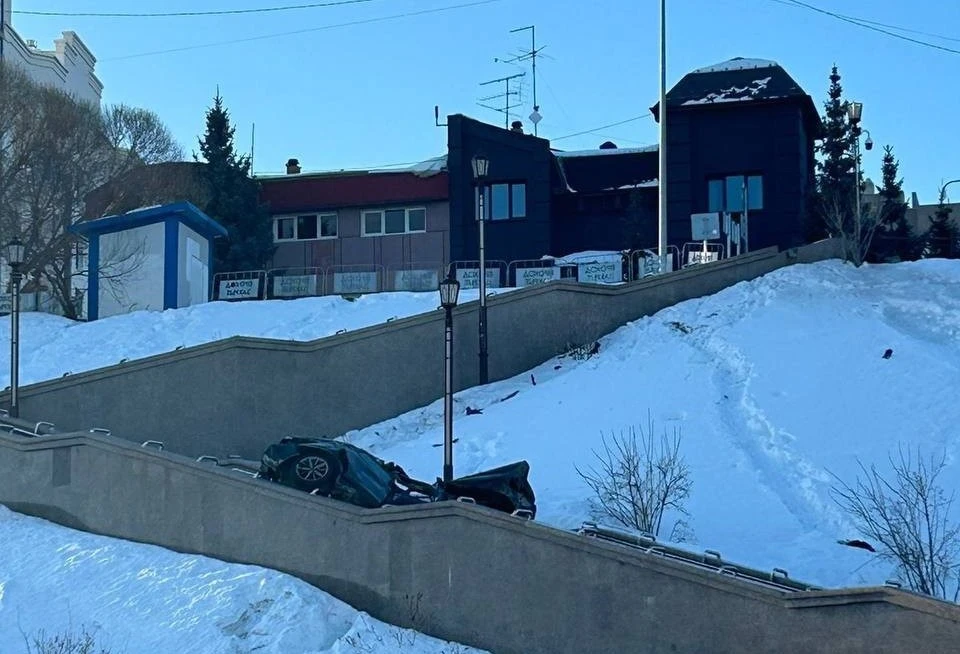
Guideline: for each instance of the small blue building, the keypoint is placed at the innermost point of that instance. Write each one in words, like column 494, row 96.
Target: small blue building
column 152, row 258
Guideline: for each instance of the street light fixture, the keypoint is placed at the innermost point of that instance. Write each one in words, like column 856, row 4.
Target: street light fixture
column 481, row 166
column 855, row 114
column 943, row 189
column 15, row 255
column 449, row 292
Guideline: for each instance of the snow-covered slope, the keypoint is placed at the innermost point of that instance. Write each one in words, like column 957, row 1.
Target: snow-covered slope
column 772, row 382
column 136, row 598
column 51, row 345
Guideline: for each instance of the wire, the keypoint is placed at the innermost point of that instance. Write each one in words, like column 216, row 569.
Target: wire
column 352, row 23
column 870, row 25
column 602, row 127
column 167, row 14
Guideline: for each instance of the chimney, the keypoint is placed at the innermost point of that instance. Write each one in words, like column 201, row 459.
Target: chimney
column 293, row 166
column 516, row 126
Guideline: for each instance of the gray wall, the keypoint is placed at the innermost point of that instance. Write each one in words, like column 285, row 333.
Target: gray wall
column 482, row 578
column 237, row 395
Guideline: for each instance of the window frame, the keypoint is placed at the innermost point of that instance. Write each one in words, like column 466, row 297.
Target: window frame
column 724, row 181
column 295, row 217
column 511, row 198
column 383, row 221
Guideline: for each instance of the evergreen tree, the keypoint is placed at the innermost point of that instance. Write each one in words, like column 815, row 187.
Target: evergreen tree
column 234, row 198
column 895, row 235
column 834, row 180
column 942, row 239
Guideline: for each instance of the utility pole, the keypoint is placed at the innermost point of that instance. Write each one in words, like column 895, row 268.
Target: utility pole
column 506, row 96
column 662, row 181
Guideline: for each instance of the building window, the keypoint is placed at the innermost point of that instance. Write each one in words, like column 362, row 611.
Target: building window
column 727, row 193
column 383, row 222
column 505, row 201
column 306, row 227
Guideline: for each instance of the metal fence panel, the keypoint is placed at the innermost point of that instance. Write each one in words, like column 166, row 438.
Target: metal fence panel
column 527, row 272
column 415, row 276
column 645, row 262
column 354, row 279
column 285, row 283
column 241, row 285
column 697, row 252
column 468, row 273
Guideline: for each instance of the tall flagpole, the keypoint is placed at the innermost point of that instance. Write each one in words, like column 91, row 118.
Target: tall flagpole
column 662, row 180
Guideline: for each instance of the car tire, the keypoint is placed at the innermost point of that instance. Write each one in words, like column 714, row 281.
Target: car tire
column 313, row 471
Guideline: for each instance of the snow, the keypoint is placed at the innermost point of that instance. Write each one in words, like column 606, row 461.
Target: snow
column 775, row 384
column 430, row 166
column 734, row 93
column 737, row 63
column 605, row 152
column 139, row 598
column 584, row 256
column 52, row 345
column 650, row 183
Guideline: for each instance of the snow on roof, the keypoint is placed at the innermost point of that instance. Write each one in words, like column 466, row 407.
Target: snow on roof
column 737, row 63
column 734, row 93
column 429, row 167
column 598, row 152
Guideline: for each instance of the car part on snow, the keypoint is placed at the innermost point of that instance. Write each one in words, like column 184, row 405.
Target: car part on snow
column 345, row 472
column 710, row 560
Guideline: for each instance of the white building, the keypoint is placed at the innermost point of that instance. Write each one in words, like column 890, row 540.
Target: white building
column 69, row 66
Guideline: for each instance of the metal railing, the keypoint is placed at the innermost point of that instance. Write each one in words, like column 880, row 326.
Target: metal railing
column 607, row 268
column 711, row 560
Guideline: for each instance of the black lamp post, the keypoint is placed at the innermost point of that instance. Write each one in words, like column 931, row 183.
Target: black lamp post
column 855, row 114
column 481, row 166
column 15, row 260
column 449, row 292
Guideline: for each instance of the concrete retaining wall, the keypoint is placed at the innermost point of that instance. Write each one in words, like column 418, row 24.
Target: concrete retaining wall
column 239, row 394
column 451, row 570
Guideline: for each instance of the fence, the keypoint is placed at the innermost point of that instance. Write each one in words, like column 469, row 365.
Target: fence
column 587, row 268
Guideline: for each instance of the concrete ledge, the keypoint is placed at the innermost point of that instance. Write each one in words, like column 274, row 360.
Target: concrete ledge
column 482, row 578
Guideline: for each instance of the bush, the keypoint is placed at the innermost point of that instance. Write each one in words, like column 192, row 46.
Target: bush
column 82, row 643
column 636, row 480
column 908, row 517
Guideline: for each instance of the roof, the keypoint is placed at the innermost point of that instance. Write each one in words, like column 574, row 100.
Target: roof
column 594, row 171
column 737, row 80
column 185, row 212
column 313, row 191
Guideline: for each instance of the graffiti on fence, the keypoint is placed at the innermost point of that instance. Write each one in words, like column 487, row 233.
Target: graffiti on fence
column 239, row 289
column 355, row 282
column 416, row 280
column 294, row 285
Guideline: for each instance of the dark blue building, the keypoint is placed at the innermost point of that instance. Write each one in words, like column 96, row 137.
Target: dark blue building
column 740, row 133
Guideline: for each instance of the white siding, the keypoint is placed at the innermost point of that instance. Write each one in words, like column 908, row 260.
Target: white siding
column 193, row 268
column 136, row 257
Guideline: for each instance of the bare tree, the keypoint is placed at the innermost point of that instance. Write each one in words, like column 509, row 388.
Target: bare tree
column 908, row 516
column 55, row 150
column 856, row 234
column 637, row 480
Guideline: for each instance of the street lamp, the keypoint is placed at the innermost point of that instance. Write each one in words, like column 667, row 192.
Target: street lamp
column 449, row 291
column 943, row 189
column 481, row 166
column 15, row 260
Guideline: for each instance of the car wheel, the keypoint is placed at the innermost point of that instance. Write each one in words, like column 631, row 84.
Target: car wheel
column 314, row 471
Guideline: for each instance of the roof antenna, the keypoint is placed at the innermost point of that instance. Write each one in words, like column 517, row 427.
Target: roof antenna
column 436, row 116
column 531, row 54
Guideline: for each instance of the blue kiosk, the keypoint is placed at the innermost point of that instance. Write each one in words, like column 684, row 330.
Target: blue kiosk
column 153, row 258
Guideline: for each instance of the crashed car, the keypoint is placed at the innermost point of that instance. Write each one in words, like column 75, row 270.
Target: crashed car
column 345, row 472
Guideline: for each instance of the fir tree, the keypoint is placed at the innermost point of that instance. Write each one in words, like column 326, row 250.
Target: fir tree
column 834, row 179
column 234, row 198
column 942, row 239
column 896, row 237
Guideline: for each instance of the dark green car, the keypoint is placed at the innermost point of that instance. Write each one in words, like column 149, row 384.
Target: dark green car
column 345, row 472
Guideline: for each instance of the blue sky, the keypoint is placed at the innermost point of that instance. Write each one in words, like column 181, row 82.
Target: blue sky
column 362, row 95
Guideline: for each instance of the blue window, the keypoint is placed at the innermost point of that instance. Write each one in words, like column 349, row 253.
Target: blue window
column 728, row 193
column 504, row 201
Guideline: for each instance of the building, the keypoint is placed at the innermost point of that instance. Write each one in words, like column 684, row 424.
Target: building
column 69, row 66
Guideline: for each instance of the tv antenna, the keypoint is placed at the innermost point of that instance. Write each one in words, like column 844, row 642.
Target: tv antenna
column 505, row 95
column 532, row 55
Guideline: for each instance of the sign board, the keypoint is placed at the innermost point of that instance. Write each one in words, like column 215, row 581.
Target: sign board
column 538, row 275
column 294, row 285
column 600, row 272
column 470, row 277
column 705, row 226
column 416, row 280
column 239, row 289
column 355, row 282
column 699, row 256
